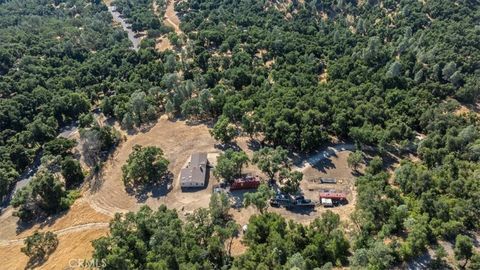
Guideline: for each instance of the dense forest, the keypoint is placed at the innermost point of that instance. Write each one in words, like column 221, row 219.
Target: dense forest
column 61, row 59
column 160, row 240
column 384, row 66
column 139, row 14
column 387, row 74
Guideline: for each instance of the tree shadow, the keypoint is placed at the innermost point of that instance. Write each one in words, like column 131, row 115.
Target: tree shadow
column 146, row 127
column 96, row 181
column 110, row 121
column 143, row 128
column 299, row 160
column 199, row 121
column 475, row 236
column 324, row 165
column 237, row 197
column 357, row 173
column 152, row 190
column 35, row 262
column 306, row 211
column 254, row 144
column 42, row 219
column 421, row 262
column 389, row 159
column 232, row 145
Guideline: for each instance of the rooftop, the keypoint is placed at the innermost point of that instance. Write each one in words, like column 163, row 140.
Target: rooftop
column 195, row 173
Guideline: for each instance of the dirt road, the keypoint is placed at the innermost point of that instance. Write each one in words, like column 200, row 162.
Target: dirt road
column 77, row 228
column 171, row 17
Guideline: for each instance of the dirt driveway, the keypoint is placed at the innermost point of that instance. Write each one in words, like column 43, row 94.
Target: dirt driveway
column 170, row 19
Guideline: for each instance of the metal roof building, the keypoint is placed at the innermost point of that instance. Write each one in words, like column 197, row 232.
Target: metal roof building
column 195, row 174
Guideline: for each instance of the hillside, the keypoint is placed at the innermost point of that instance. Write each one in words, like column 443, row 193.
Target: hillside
column 103, row 103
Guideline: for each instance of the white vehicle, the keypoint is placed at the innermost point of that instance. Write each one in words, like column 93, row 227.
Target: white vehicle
column 326, row 202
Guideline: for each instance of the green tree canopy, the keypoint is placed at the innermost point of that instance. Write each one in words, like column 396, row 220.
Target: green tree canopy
column 463, row 249
column 230, row 163
column 72, row 172
column 271, row 160
column 144, row 165
column 223, row 130
column 38, row 246
column 259, row 198
column 354, row 159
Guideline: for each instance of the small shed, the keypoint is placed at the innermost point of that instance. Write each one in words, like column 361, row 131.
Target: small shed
column 324, row 180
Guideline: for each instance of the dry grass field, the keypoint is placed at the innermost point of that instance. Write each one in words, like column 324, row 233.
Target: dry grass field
column 88, row 217
column 72, row 246
column 178, row 140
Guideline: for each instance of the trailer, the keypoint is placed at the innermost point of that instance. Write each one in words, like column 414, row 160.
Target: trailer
column 333, row 195
column 337, row 198
column 328, row 180
column 247, row 182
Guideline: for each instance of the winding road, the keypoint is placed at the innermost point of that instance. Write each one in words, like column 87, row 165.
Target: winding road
column 132, row 36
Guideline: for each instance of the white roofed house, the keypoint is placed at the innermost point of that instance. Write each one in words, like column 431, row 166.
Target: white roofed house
column 195, row 174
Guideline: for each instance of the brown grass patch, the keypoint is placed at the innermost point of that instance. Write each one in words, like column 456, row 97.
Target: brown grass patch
column 80, row 213
column 178, row 140
column 464, row 110
column 171, row 17
column 323, row 78
column 163, row 44
column 76, row 245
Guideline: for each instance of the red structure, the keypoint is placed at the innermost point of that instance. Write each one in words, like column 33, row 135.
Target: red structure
column 333, row 195
column 248, row 182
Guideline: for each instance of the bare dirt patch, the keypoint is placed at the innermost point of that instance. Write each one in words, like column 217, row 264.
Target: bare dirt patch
column 163, row 44
column 178, row 140
column 323, row 77
column 269, row 63
column 238, row 248
column 465, row 110
column 333, row 166
column 171, row 17
column 75, row 229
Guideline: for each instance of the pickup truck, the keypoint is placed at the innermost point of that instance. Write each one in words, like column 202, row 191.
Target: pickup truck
column 281, row 200
column 290, row 203
column 301, row 202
